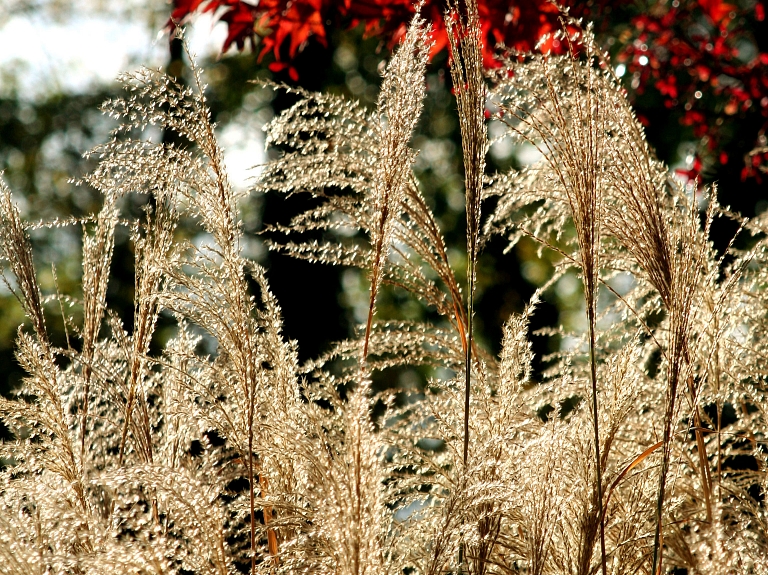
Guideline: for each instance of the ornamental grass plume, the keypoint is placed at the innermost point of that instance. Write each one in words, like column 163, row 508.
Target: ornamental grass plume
column 638, row 448
column 567, row 128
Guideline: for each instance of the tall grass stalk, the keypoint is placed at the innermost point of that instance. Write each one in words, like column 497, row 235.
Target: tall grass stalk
column 469, row 88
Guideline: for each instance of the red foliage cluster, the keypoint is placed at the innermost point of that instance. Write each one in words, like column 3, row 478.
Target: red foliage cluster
column 285, row 26
column 701, row 56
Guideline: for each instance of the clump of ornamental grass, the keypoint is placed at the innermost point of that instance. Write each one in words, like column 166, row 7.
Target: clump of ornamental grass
column 220, row 453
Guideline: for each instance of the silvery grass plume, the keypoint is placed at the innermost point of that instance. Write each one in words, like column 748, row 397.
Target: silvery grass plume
column 97, row 257
column 462, row 505
column 558, row 110
column 400, row 102
column 464, row 36
column 668, row 258
column 358, row 164
column 651, row 231
column 220, row 454
column 136, row 475
column 168, row 438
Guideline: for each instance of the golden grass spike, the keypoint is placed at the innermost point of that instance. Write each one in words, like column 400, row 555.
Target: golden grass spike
column 470, row 92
